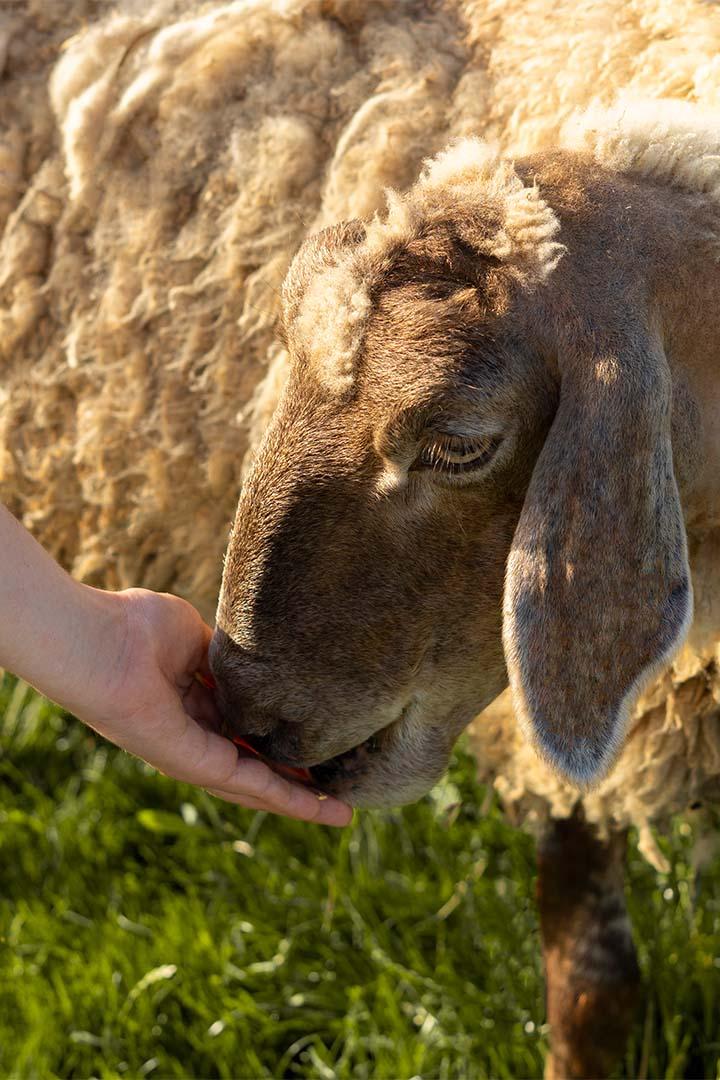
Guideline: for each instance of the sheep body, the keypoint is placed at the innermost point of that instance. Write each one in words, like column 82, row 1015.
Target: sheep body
column 158, row 169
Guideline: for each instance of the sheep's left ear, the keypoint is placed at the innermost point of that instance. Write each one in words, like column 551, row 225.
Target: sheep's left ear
column 598, row 594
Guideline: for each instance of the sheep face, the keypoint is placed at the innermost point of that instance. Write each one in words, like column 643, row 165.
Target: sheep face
column 359, row 626
column 470, row 473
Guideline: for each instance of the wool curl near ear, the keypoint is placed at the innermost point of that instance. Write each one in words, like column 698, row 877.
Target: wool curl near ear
column 526, row 241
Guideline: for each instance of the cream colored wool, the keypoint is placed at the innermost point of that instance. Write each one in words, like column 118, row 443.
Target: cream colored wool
column 161, row 162
column 671, row 758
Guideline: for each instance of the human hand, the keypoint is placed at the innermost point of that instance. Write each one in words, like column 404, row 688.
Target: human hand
column 125, row 663
column 149, row 702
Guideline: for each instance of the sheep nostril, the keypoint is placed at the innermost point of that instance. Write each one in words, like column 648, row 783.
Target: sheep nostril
column 244, row 687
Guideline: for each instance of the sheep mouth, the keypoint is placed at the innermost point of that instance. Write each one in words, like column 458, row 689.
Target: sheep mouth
column 342, row 767
column 330, row 775
column 336, row 773
column 346, row 766
column 325, row 775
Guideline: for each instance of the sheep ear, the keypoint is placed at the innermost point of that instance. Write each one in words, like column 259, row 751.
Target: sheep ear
column 598, row 594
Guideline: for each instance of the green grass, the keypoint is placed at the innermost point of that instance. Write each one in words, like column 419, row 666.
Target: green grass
column 149, row 930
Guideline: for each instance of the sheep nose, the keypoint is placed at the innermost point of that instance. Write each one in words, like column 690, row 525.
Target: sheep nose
column 239, row 692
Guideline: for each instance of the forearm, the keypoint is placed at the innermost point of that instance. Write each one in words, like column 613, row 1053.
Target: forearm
column 54, row 632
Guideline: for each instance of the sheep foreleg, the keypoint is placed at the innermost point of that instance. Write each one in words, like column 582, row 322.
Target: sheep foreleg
column 591, row 969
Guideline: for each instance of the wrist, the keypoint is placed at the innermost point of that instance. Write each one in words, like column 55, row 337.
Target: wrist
column 68, row 640
column 74, row 647
column 93, row 666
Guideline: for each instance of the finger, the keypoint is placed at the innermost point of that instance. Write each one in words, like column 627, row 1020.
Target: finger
column 179, row 747
column 175, row 744
column 253, row 777
column 307, row 807
column 204, row 666
column 246, row 801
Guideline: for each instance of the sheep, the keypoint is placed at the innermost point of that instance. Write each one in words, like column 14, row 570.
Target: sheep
column 503, row 385
column 159, row 169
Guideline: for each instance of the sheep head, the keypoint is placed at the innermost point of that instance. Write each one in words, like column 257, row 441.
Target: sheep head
column 469, row 476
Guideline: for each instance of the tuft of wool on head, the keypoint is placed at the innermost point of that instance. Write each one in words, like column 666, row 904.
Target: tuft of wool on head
column 526, row 240
column 336, row 306
column 331, row 323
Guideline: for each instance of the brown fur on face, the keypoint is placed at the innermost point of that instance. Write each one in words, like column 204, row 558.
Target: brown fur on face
column 361, row 617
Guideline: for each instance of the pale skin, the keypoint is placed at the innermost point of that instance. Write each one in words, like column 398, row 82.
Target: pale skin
column 126, row 664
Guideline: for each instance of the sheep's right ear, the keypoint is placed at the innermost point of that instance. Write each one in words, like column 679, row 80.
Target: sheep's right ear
column 598, row 594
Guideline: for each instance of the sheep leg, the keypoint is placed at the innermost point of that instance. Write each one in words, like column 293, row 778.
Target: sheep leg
column 591, row 970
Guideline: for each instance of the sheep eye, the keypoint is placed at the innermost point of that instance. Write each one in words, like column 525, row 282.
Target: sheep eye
column 457, row 453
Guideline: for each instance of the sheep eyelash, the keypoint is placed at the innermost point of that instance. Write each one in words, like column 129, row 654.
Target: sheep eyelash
column 472, row 452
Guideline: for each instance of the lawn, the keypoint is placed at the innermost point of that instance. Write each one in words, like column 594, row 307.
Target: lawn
column 147, row 929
